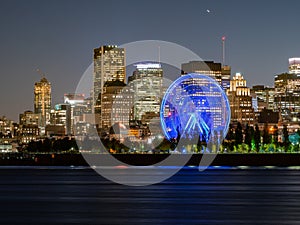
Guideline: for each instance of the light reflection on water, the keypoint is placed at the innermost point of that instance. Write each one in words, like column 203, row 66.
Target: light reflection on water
column 219, row 195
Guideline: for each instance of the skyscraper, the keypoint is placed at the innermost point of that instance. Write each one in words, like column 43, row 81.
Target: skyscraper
column 214, row 70
column 287, row 96
column 146, row 84
column 109, row 65
column 240, row 100
column 42, row 100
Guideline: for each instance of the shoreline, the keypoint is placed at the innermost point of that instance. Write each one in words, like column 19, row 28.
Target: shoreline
column 261, row 159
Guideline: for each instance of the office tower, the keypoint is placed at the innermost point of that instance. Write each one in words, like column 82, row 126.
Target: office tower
column 146, row 84
column 81, row 114
column 226, row 74
column 263, row 96
column 78, row 106
column 287, row 96
column 240, row 100
column 117, row 104
column 77, row 103
column 61, row 119
column 109, row 65
column 42, row 100
column 214, row 70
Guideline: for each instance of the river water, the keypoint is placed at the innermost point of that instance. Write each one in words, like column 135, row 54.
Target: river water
column 78, row 195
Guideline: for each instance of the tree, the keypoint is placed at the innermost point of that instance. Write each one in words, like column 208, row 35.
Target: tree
column 286, row 141
column 257, row 137
column 73, row 144
column 230, row 137
column 165, row 145
column 32, row 146
column 248, row 135
column 266, row 135
column 230, row 134
column 47, row 145
column 57, row 145
column 39, row 145
column 199, row 144
column 275, row 136
column 238, row 134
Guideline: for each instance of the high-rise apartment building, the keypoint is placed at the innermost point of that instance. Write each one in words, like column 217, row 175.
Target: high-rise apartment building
column 287, row 96
column 240, row 100
column 42, row 100
column 109, row 65
column 147, row 85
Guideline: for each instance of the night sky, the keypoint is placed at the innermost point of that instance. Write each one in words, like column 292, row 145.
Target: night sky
column 58, row 37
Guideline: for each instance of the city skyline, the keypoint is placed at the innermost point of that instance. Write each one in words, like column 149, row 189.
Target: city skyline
column 205, row 64
column 53, row 38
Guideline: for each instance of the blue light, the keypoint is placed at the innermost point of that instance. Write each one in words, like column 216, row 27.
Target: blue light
column 195, row 106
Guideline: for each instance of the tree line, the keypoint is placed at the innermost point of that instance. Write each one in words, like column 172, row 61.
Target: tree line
column 249, row 139
column 254, row 139
column 53, row 145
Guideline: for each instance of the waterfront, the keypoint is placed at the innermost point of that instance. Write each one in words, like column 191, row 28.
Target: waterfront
column 219, row 195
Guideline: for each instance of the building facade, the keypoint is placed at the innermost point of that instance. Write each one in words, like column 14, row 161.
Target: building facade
column 263, row 96
column 147, row 85
column 287, row 96
column 109, row 65
column 61, row 117
column 42, row 100
column 294, row 65
column 117, row 104
column 29, row 118
column 240, row 101
column 79, row 107
column 214, row 70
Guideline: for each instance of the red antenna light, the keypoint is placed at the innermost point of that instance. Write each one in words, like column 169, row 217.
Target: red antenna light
column 223, row 50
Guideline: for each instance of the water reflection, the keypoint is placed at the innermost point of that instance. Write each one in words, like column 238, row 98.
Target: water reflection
column 219, row 195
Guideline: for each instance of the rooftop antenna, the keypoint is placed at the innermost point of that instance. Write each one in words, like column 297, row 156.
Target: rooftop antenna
column 223, row 50
column 40, row 73
column 159, row 54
